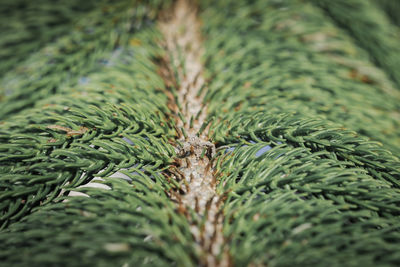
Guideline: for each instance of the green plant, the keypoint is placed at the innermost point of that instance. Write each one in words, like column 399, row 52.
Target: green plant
column 295, row 125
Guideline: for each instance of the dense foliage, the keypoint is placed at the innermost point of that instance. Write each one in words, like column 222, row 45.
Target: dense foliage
column 303, row 107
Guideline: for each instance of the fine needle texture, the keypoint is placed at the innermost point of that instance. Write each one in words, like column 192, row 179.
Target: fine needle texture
column 200, row 133
column 183, row 70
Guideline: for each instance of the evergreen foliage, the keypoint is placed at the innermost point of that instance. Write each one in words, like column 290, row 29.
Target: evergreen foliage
column 59, row 64
column 392, row 8
column 305, row 124
column 371, row 28
column 28, row 25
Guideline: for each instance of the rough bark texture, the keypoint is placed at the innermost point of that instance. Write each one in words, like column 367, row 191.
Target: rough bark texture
column 183, row 44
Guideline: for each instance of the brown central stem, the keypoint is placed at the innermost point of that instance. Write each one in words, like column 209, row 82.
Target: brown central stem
column 182, row 68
